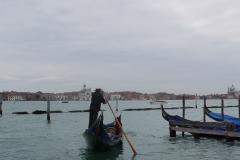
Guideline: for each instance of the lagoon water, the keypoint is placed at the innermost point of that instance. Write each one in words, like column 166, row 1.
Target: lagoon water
column 33, row 137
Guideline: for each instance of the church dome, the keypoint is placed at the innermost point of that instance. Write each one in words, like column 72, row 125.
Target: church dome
column 232, row 88
column 84, row 87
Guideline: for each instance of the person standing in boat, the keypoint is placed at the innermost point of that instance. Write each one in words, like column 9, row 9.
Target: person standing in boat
column 95, row 106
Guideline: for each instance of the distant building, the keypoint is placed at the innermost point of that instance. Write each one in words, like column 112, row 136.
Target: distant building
column 25, row 96
column 186, row 96
column 72, row 95
column 61, row 97
column 146, row 96
column 115, row 96
column 152, row 96
column 16, row 98
column 127, row 95
column 51, row 96
column 85, row 94
column 162, row 96
column 165, row 96
column 232, row 92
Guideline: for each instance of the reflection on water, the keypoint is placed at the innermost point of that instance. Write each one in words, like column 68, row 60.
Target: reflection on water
column 114, row 153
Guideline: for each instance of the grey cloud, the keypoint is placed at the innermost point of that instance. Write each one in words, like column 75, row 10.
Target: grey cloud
column 146, row 46
column 7, row 79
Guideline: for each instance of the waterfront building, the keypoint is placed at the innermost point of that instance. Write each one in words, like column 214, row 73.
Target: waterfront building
column 85, row 94
column 51, row 96
column 152, row 96
column 141, row 97
column 72, row 95
column 186, row 96
column 237, row 94
column 115, row 96
column 61, row 97
column 16, row 98
column 22, row 95
column 127, row 95
column 146, row 96
column 161, row 96
column 164, row 96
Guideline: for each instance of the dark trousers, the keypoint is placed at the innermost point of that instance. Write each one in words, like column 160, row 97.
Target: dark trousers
column 93, row 114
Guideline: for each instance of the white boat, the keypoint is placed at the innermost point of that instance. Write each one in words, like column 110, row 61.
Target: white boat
column 65, row 101
column 153, row 101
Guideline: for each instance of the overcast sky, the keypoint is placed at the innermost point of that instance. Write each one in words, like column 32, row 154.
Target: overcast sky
column 147, row 46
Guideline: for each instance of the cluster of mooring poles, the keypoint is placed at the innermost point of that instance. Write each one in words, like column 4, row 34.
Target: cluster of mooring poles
column 193, row 127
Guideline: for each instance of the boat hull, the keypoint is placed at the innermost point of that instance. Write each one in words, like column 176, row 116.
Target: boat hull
column 158, row 102
column 169, row 117
column 99, row 143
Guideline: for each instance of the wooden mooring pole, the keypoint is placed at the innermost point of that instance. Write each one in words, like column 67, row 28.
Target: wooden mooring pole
column 183, row 113
column 239, row 106
column 117, row 104
column 222, row 109
column 48, row 108
column 0, row 105
column 204, row 106
column 230, row 128
column 196, row 101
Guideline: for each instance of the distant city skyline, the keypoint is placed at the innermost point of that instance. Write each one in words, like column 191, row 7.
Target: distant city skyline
column 232, row 87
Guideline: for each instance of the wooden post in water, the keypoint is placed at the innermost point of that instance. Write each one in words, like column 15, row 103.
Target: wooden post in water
column 172, row 132
column 230, row 128
column 204, row 106
column 239, row 106
column 222, row 109
column 183, row 113
column 0, row 105
column 196, row 101
column 117, row 104
column 48, row 108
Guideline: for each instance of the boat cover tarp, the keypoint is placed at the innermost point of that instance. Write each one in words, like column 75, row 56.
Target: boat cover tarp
column 106, row 136
column 227, row 118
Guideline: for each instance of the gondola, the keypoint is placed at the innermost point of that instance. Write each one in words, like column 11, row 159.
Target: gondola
column 100, row 137
column 169, row 117
column 218, row 117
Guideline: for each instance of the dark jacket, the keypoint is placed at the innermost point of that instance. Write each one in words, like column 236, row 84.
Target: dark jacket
column 97, row 99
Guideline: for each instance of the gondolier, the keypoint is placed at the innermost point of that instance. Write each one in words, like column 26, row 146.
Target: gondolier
column 95, row 106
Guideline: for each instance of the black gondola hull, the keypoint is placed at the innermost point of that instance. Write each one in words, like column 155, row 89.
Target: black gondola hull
column 98, row 143
column 97, row 138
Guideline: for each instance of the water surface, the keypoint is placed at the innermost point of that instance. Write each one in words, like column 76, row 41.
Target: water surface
column 33, row 137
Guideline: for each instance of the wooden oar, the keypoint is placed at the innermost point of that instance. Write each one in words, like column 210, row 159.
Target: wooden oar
column 134, row 151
